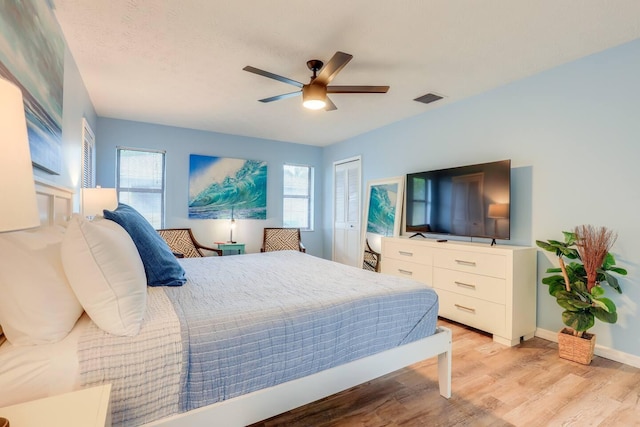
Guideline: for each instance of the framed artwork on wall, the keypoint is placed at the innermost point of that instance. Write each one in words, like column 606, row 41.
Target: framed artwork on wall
column 32, row 57
column 227, row 188
column 382, row 212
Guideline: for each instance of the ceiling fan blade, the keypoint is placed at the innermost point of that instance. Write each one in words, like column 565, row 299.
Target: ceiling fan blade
column 283, row 96
column 357, row 89
column 330, row 105
column 272, row 76
column 333, row 67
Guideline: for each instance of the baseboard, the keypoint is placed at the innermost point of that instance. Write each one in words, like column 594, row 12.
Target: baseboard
column 606, row 352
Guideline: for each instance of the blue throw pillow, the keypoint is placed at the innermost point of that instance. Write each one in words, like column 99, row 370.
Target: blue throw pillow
column 160, row 264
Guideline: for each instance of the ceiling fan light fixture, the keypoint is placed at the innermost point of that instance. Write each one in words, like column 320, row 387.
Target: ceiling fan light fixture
column 314, row 97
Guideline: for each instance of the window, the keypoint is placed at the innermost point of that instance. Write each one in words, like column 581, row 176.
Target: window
column 88, row 178
column 140, row 182
column 297, row 194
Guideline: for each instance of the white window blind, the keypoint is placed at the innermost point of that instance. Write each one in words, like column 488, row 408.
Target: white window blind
column 141, row 182
column 297, row 208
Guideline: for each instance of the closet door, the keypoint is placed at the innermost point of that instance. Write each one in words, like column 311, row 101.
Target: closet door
column 346, row 212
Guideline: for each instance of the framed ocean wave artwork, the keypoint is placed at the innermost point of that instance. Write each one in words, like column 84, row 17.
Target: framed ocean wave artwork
column 227, row 188
column 32, row 57
column 382, row 211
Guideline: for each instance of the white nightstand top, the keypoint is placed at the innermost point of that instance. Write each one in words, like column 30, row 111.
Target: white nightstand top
column 82, row 408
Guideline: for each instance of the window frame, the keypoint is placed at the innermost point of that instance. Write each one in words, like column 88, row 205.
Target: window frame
column 309, row 196
column 161, row 191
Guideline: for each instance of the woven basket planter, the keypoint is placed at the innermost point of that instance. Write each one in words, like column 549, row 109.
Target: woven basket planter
column 576, row 349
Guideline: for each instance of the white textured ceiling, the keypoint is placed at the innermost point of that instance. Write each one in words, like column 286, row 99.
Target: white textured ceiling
column 179, row 62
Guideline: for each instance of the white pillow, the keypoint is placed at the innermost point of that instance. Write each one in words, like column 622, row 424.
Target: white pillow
column 106, row 274
column 37, row 304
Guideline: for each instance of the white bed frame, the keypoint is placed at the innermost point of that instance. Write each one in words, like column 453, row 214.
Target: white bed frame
column 262, row 404
column 56, row 204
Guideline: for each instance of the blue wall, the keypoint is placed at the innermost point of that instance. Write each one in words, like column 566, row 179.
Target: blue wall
column 179, row 143
column 573, row 135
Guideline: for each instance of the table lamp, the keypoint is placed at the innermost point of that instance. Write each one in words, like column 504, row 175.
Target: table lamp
column 19, row 209
column 96, row 200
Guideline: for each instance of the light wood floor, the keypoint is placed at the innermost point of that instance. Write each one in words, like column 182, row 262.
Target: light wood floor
column 493, row 385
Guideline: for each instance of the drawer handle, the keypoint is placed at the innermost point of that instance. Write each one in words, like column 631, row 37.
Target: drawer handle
column 407, row 272
column 462, row 307
column 463, row 262
column 465, row 285
column 405, row 253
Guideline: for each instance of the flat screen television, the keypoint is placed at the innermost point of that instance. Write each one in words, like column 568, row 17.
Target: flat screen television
column 471, row 201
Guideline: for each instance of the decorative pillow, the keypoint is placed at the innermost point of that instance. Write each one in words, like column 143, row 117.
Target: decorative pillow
column 37, row 304
column 106, row 274
column 160, row 264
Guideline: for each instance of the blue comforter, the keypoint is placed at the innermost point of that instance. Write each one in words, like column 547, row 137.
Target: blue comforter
column 254, row 321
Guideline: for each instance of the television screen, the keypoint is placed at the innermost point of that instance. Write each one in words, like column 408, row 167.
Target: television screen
column 469, row 200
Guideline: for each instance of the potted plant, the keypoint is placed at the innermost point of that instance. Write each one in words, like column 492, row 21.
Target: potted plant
column 577, row 286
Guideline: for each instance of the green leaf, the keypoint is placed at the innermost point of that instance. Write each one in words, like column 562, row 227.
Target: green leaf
column 571, row 301
column 609, row 261
column 580, row 321
column 606, row 304
column 576, row 268
column 569, row 237
column 579, row 286
column 553, row 280
column 597, row 291
column 546, row 246
column 571, row 253
column 566, row 304
column 560, row 248
column 554, row 288
column 554, row 270
column 579, row 304
column 605, row 316
column 612, row 281
column 621, row 271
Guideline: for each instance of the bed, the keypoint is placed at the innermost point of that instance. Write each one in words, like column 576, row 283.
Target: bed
column 243, row 372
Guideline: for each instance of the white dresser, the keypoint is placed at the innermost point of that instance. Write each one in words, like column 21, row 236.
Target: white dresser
column 491, row 288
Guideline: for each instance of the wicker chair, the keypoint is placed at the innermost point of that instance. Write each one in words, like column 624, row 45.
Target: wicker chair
column 371, row 259
column 282, row 239
column 183, row 244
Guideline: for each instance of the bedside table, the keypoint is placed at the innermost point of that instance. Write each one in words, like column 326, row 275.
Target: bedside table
column 83, row 408
column 231, row 248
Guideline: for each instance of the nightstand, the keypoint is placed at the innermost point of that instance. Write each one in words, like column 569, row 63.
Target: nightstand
column 231, row 248
column 83, row 408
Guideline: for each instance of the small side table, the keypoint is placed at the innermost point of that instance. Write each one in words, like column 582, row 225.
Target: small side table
column 231, row 248
column 84, row 408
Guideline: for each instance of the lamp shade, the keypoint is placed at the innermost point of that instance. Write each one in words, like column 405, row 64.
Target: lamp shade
column 314, row 96
column 95, row 200
column 498, row 210
column 19, row 208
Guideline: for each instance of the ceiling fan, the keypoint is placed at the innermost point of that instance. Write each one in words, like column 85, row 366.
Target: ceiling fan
column 314, row 94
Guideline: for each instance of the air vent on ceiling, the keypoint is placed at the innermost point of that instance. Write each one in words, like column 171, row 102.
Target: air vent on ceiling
column 428, row 98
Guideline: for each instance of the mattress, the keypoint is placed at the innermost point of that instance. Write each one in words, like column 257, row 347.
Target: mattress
column 37, row 371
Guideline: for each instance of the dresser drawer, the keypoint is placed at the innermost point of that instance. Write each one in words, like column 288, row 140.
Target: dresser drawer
column 473, row 285
column 494, row 265
column 411, row 270
column 484, row 315
column 404, row 250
